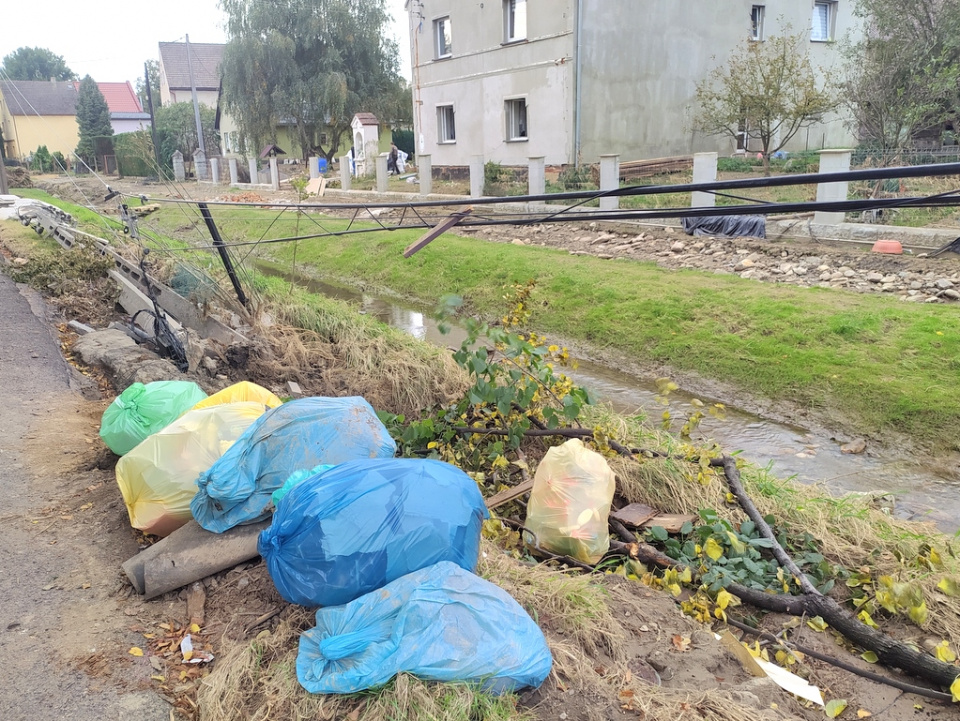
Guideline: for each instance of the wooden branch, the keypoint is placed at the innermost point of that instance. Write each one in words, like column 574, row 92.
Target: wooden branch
column 510, row 494
column 540, row 433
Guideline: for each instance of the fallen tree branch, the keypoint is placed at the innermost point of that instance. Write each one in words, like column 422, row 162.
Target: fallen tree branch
column 840, row 663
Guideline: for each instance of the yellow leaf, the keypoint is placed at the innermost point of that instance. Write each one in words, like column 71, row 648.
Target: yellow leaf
column 735, row 543
column 686, row 576
column 194, row 628
column 712, row 549
column 432, row 444
column 935, row 558
column 161, row 679
column 149, row 635
column 918, row 614
column 955, row 689
column 867, row 619
column 135, row 651
column 869, row 657
column 835, row 708
column 949, row 587
column 945, row 653
column 817, row 624
column 187, row 655
column 724, row 598
column 863, row 713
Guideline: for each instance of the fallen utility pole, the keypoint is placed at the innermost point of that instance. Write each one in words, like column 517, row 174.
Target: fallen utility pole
column 222, row 250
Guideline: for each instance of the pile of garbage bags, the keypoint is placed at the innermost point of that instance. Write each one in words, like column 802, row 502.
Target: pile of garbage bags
column 387, row 547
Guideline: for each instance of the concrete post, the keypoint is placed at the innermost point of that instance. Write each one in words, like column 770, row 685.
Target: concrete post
column 232, row 162
column 314, row 168
column 382, row 173
column 345, row 173
column 609, row 180
column 704, row 171
column 215, row 170
column 476, row 176
column 832, row 161
column 425, row 171
column 179, row 173
column 274, row 174
column 254, row 173
column 200, row 164
column 536, row 176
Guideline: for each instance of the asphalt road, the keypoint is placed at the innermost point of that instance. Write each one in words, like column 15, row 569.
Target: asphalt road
column 38, row 683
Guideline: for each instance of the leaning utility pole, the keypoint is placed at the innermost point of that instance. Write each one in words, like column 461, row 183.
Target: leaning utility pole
column 153, row 121
column 4, row 189
column 196, row 105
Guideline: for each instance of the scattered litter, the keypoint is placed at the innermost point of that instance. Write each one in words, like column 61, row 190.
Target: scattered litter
column 362, row 524
column 298, row 435
column 144, row 409
column 727, row 226
column 758, row 667
column 570, row 503
column 440, row 623
column 191, row 655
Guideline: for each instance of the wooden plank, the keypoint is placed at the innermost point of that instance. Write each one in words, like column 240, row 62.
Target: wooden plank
column 436, row 232
column 671, row 522
column 317, row 186
column 635, row 514
column 510, row 494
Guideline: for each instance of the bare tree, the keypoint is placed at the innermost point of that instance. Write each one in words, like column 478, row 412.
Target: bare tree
column 766, row 91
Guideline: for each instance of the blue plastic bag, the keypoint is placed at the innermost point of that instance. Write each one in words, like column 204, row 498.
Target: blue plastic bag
column 440, row 623
column 362, row 524
column 298, row 435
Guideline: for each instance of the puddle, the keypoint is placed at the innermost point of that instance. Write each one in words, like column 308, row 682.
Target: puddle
column 789, row 450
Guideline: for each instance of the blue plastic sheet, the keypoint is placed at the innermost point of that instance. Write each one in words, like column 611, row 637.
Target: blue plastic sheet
column 298, row 435
column 362, row 524
column 440, row 623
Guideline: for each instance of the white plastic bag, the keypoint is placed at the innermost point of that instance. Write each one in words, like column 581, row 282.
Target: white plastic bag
column 572, row 492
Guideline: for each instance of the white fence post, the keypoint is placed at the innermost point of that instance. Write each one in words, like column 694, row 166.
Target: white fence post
column 476, row 176
column 704, row 171
column 232, row 163
column 536, row 176
column 254, row 173
column 346, row 172
column 274, row 174
column 425, row 173
column 609, row 180
column 832, row 161
column 382, row 173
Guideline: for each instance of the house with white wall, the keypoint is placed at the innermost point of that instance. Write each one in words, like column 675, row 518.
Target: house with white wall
column 513, row 79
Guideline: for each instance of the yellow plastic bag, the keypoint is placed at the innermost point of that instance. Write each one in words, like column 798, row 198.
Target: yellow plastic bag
column 240, row 392
column 572, row 492
column 158, row 478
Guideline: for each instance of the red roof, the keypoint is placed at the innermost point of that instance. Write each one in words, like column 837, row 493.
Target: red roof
column 120, row 97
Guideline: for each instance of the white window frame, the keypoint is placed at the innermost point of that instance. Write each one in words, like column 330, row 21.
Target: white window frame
column 442, row 33
column 446, row 128
column 512, row 9
column 757, row 16
column 819, row 33
column 516, row 120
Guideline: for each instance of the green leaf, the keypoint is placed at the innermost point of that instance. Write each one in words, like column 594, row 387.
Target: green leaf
column 686, row 528
column 835, row 707
column 869, row 657
column 658, row 533
column 918, row 614
column 818, row 624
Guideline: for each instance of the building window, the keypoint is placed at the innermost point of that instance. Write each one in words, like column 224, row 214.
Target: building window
column 446, row 129
column 756, row 22
column 824, row 17
column 516, row 115
column 441, row 30
column 514, row 20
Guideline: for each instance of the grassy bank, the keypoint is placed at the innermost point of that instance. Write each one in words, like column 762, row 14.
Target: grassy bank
column 883, row 365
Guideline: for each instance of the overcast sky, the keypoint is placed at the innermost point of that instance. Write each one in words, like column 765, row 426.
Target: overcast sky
column 111, row 39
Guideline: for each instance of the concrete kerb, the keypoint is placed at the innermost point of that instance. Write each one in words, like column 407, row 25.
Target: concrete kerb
column 922, row 239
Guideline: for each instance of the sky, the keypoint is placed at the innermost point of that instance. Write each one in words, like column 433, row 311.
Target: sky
column 111, row 39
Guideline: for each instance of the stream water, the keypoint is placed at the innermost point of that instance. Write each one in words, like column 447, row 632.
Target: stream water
column 790, row 451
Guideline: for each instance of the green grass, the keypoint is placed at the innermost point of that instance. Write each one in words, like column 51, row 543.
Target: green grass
column 880, row 364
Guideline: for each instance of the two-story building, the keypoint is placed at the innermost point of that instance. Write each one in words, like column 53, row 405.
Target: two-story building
column 513, row 79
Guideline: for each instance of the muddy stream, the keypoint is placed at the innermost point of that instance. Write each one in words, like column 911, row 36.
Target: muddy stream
column 788, row 451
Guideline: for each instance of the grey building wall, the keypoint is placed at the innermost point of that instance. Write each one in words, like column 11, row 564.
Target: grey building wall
column 484, row 71
column 640, row 61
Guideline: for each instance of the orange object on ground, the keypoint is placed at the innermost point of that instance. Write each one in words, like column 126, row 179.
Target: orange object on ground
column 888, row 246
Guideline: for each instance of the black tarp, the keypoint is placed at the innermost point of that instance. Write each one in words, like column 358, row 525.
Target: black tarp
column 727, row 226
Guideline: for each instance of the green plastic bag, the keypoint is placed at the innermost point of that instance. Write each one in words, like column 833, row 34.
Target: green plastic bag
column 145, row 409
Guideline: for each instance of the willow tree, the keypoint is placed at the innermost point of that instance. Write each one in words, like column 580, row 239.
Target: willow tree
column 766, row 91
column 307, row 63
